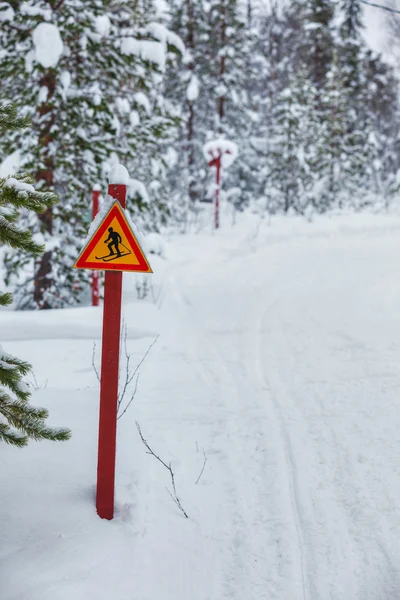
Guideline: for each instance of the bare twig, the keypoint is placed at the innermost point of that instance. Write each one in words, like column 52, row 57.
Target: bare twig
column 174, row 496
column 156, row 297
column 130, row 377
column 131, row 399
column 35, row 385
column 203, row 467
column 93, row 363
column 128, row 358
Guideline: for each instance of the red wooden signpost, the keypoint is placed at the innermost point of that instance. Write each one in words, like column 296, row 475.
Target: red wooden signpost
column 216, row 162
column 114, row 233
column 109, row 381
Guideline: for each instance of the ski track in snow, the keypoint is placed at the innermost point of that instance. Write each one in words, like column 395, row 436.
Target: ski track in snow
column 227, row 372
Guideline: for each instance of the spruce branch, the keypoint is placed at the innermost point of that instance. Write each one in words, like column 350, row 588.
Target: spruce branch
column 5, row 299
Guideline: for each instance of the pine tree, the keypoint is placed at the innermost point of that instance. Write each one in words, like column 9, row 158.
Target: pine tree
column 94, row 93
column 291, row 150
column 318, row 44
column 211, row 90
column 20, row 421
column 364, row 141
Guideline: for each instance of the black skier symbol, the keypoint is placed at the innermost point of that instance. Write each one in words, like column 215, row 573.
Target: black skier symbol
column 114, row 241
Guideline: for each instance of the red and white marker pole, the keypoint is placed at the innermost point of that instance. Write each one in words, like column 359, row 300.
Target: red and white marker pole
column 216, row 162
column 109, row 381
column 95, row 274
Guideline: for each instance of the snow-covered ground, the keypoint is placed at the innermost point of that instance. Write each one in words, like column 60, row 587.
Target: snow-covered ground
column 279, row 355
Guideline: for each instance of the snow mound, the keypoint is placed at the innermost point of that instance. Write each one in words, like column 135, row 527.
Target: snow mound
column 193, row 89
column 164, row 35
column 11, row 164
column 48, row 44
column 147, row 50
column 103, row 25
column 137, row 187
column 19, row 186
column 6, row 13
column 155, row 244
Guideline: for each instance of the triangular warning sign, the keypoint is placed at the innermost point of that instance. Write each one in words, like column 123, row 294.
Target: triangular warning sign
column 113, row 246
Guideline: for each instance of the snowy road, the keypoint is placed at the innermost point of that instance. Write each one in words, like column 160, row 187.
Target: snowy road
column 280, row 356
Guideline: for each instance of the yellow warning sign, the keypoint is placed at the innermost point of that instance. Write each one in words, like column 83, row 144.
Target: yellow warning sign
column 114, row 246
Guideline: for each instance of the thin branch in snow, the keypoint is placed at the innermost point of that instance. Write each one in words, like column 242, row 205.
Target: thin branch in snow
column 129, row 377
column 204, row 466
column 93, row 362
column 131, row 399
column 121, row 396
column 174, row 496
column 35, row 385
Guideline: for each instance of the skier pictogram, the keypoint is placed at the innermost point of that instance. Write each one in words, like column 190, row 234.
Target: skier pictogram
column 113, row 242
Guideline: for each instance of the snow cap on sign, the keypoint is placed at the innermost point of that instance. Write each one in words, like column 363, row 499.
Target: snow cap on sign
column 119, row 175
column 228, row 150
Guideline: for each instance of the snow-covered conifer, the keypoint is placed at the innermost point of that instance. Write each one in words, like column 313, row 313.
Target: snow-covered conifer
column 19, row 421
column 89, row 74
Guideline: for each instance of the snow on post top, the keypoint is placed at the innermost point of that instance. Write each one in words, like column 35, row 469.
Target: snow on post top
column 119, row 175
column 48, row 44
column 97, row 187
column 220, row 147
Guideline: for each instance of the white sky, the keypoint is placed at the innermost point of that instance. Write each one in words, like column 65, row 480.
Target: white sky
column 376, row 32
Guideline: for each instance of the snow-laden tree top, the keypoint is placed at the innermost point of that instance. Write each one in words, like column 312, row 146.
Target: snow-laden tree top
column 48, row 44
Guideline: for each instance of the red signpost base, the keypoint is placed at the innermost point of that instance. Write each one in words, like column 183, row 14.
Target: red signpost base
column 95, row 274
column 109, row 382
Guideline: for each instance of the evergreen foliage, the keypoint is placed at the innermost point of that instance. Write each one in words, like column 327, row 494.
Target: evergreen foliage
column 314, row 111
column 19, row 421
column 211, row 91
column 100, row 99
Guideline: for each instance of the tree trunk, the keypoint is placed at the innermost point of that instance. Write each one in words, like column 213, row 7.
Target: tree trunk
column 190, row 132
column 43, row 280
column 221, row 99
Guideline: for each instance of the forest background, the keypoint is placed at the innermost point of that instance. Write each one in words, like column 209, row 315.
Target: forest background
column 313, row 109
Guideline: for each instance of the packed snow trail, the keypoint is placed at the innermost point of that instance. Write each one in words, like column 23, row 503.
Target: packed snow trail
column 279, row 356
column 295, row 342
